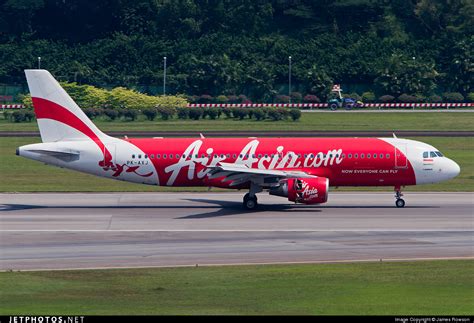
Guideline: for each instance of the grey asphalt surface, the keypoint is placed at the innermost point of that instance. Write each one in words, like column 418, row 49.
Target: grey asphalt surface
column 110, row 230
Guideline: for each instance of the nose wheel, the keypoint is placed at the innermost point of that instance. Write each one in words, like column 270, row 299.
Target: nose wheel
column 399, row 202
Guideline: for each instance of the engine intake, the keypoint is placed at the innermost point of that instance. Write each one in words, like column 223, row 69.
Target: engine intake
column 304, row 190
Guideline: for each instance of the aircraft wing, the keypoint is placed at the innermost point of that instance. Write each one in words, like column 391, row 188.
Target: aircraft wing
column 240, row 174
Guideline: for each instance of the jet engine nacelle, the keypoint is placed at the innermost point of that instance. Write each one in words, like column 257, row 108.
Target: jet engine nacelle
column 304, row 190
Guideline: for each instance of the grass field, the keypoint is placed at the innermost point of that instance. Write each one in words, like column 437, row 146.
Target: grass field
column 390, row 121
column 387, row 288
column 23, row 175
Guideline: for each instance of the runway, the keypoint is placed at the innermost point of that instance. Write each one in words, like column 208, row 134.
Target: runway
column 114, row 230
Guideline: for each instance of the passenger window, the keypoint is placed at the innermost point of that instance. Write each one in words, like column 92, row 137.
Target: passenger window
column 432, row 154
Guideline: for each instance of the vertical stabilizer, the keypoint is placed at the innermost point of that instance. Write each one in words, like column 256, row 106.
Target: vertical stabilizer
column 59, row 117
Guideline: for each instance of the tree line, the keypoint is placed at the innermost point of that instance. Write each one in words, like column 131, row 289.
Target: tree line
column 232, row 48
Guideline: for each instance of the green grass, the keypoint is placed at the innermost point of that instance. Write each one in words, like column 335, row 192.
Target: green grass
column 388, row 288
column 390, row 121
column 23, row 175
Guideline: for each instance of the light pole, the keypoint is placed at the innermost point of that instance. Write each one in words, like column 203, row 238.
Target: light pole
column 39, row 62
column 289, row 77
column 164, row 75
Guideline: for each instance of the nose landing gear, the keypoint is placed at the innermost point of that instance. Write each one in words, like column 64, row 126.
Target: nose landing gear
column 398, row 195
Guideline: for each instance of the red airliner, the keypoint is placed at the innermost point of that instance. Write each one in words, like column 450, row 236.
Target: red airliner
column 300, row 169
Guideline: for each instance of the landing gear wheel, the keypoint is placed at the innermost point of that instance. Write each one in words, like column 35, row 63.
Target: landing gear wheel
column 400, row 203
column 250, row 202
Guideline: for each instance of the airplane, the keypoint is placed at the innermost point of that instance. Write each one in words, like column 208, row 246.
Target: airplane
column 299, row 169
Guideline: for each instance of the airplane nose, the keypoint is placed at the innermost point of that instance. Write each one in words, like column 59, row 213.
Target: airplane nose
column 453, row 169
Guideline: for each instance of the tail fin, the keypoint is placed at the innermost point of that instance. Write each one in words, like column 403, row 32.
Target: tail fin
column 59, row 117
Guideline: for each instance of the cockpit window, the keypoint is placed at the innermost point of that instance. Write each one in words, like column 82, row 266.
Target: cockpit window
column 439, row 154
column 432, row 154
column 426, row 154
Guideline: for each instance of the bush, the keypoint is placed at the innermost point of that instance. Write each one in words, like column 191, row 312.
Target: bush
column 242, row 98
column 112, row 114
column 296, row 97
column 183, row 113
column 213, row 113
column 368, row 97
column 435, row 99
column 285, row 113
column 470, row 97
column 233, row 99
column 259, row 114
column 227, row 112
column 29, row 115
column 92, row 113
column 295, row 114
column 386, row 98
column 166, row 113
column 275, row 115
column 405, row 98
column 311, row 98
column 195, row 113
column 18, row 116
column 150, row 113
column 240, row 113
column 282, row 99
column 130, row 114
column 193, row 98
column 221, row 99
column 205, row 99
column 453, row 97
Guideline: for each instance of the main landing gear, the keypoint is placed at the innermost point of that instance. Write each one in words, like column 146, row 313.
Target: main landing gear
column 250, row 202
column 398, row 195
column 250, row 199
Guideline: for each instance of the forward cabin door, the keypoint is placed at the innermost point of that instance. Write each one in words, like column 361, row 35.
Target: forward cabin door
column 401, row 160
